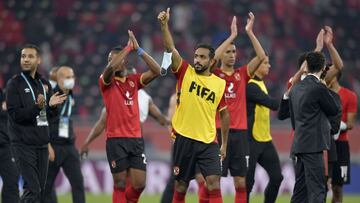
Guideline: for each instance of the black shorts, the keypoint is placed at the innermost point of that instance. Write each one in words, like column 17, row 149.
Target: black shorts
column 124, row 153
column 237, row 153
column 187, row 153
column 341, row 169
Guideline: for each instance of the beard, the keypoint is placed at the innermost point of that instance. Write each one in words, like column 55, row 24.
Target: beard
column 200, row 68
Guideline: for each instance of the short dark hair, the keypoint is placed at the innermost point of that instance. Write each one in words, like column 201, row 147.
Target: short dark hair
column 117, row 48
column 32, row 46
column 301, row 59
column 315, row 61
column 208, row 47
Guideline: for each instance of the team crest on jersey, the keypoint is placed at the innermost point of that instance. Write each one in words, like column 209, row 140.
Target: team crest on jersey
column 176, row 170
column 237, row 76
column 132, row 84
column 221, row 75
column 27, row 90
column 113, row 164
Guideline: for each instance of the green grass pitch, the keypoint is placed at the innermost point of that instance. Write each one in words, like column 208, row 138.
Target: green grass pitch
column 191, row 198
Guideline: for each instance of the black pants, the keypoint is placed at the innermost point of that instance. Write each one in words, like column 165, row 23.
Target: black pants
column 9, row 175
column 67, row 157
column 32, row 163
column 309, row 179
column 265, row 154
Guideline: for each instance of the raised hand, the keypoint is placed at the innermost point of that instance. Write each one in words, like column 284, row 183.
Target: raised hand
column 57, row 99
column 320, row 40
column 164, row 16
column 250, row 22
column 41, row 102
column 233, row 27
column 132, row 38
column 328, row 37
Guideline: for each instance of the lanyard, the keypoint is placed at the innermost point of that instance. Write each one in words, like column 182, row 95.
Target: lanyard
column 69, row 101
column 31, row 89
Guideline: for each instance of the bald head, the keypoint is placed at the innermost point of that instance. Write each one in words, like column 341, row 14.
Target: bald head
column 65, row 78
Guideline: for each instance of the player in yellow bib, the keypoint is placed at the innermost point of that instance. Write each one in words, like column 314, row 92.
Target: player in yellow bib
column 200, row 95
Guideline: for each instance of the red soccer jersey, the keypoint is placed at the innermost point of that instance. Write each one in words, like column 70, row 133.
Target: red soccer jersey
column 349, row 105
column 235, row 95
column 122, row 109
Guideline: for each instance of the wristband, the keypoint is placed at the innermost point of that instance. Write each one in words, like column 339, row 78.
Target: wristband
column 140, row 51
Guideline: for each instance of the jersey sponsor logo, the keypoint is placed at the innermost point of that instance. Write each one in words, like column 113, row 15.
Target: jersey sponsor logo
column 129, row 100
column 230, row 92
column 202, row 92
column 176, row 170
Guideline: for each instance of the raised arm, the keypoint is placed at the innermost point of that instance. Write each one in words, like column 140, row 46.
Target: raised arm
column 163, row 18
column 154, row 67
column 94, row 133
column 115, row 62
column 253, row 65
column 335, row 57
column 223, row 46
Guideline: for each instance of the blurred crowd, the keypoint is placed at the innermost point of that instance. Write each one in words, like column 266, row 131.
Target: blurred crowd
column 80, row 33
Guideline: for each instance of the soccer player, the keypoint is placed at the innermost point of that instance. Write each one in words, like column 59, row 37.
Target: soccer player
column 31, row 104
column 8, row 170
column 124, row 144
column 262, row 149
column 237, row 159
column 341, row 170
column 146, row 107
column 62, row 141
column 200, row 95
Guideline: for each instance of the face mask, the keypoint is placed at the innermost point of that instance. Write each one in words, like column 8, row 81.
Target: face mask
column 69, row 83
column 52, row 83
column 303, row 76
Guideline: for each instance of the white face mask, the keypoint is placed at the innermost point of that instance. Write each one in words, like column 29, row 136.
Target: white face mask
column 303, row 76
column 69, row 83
column 52, row 83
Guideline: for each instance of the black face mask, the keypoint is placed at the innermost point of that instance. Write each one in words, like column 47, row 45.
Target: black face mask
column 324, row 72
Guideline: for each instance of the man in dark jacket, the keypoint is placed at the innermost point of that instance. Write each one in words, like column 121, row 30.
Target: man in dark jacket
column 310, row 105
column 62, row 139
column 30, row 104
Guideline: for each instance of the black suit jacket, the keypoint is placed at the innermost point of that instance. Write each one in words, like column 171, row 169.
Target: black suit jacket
column 311, row 104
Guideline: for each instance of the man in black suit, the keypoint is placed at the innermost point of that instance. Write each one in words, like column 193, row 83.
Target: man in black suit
column 311, row 104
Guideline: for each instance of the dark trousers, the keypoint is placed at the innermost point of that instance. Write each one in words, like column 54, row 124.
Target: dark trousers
column 265, row 154
column 67, row 158
column 168, row 193
column 9, row 175
column 309, row 178
column 32, row 163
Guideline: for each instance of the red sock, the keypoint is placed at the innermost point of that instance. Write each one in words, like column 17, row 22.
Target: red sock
column 118, row 195
column 241, row 195
column 203, row 193
column 132, row 194
column 215, row 196
column 179, row 197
